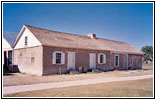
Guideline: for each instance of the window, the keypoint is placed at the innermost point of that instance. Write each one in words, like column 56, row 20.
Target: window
column 26, row 40
column 101, row 58
column 117, row 60
column 9, row 57
column 58, row 58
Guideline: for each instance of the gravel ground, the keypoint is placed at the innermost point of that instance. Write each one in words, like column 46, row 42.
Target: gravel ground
column 13, row 79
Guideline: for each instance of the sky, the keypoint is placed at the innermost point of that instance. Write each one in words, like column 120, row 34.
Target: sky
column 127, row 22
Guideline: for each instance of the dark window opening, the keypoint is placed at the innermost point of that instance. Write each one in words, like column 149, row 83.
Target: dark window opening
column 58, row 58
column 26, row 40
column 116, row 60
column 9, row 57
column 101, row 58
column 5, row 58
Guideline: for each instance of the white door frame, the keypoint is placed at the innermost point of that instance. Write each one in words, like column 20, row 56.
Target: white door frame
column 71, row 65
column 92, row 64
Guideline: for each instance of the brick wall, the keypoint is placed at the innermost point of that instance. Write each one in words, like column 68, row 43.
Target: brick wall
column 137, row 62
column 81, row 59
column 39, row 60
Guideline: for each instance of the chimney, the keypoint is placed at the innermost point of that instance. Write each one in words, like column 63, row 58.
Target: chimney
column 92, row 35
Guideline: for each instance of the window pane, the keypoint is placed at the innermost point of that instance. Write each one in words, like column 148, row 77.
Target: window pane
column 58, row 58
column 9, row 57
column 58, row 55
column 116, row 60
column 10, row 54
column 58, row 61
column 101, row 58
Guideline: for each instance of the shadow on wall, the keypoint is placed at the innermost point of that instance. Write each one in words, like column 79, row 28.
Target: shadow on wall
column 13, row 68
column 10, row 68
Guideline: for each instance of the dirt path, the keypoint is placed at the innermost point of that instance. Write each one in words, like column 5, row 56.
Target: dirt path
column 14, row 79
column 32, row 87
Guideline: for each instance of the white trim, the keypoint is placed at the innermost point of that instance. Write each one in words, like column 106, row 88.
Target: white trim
column 104, row 58
column 62, row 57
column 92, row 65
column 115, row 60
column 68, row 63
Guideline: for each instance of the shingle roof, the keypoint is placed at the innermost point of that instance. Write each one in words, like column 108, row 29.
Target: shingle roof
column 66, row 40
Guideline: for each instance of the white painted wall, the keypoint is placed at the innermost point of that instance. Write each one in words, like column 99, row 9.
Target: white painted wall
column 31, row 42
column 6, row 46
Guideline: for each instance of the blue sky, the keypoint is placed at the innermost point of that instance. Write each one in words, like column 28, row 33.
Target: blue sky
column 127, row 22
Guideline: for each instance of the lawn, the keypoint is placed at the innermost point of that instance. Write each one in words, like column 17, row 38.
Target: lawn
column 135, row 88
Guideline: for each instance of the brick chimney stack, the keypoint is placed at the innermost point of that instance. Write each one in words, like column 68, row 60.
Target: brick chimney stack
column 92, row 35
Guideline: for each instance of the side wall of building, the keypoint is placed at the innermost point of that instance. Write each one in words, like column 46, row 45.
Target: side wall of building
column 122, row 61
column 81, row 59
column 29, row 60
column 126, row 61
column 135, row 61
column 39, row 60
column 6, row 48
column 48, row 66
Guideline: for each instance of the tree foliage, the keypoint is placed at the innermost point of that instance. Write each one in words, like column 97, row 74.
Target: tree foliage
column 148, row 52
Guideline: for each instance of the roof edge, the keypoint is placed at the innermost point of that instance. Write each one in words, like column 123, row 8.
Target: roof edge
column 19, row 35
column 94, row 50
column 72, row 33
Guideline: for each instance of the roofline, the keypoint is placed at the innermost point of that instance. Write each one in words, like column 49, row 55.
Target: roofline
column 73, row 34
column 19, row 35
column 27, row 26
column 121, row 52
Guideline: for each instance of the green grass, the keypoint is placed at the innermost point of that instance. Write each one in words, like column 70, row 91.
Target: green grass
column 135, row 88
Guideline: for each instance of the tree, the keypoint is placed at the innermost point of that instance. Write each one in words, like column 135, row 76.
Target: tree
column 148, row 53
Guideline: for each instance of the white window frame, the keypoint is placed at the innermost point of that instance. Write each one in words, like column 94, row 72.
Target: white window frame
column 104, row 58
column 62, row 57
column 115, row 60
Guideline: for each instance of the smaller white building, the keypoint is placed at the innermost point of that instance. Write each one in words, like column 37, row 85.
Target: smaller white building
column 7, row 54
